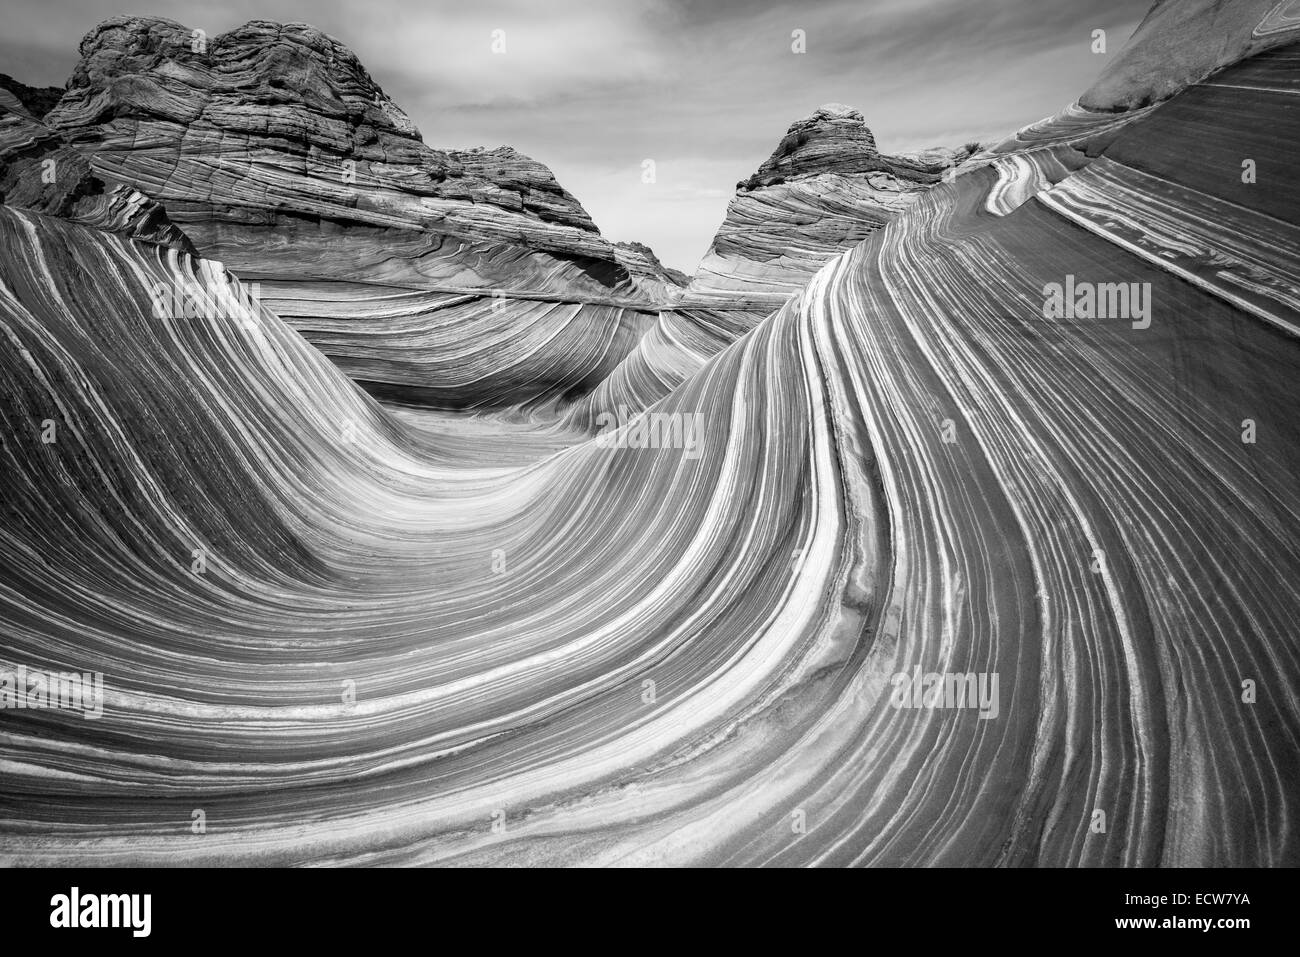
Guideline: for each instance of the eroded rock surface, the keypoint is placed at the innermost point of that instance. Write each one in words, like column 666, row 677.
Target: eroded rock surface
column 825, row 188
column 39, row 171
column 278, row 154
column 359, row 636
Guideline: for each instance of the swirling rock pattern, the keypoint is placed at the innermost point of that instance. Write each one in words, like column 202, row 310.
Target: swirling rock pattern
column 275, row 151
column 419, row 641
column 825, row 188
column 475, row 351
column 38, row 170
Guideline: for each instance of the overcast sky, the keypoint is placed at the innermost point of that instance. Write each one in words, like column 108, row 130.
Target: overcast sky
column 705, row 88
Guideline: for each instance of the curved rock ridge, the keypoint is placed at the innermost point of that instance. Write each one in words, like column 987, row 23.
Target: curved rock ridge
column 35, row 100
column 778, row 235
column 671, row 350
column 39, row 171
column 514, row 355
column 278, row 154
column 1175, row 46
column 825, row 188
column 1028, row 162
column 354, row 636
column 1180, row 42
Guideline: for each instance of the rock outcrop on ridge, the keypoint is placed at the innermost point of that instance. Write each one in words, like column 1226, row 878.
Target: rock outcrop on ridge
column 276, row 152
column 652, row 275
column 36, row 100
column 825, row 188
column 40, row 171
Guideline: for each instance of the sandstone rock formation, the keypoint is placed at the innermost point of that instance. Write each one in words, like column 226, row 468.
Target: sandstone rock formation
column 1183, row 41
column 653, row 277
column 35, row 100
column 275, row 151
column 562, row 650
column 39, row 171
column 825, row 188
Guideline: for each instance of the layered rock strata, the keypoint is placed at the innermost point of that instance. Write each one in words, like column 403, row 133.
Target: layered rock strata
column 277, row 153
column 40, row 171
column 352, row 640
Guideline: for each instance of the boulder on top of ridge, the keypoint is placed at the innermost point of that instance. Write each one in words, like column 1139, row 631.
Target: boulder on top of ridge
column 832, row 139
column 835, row 138
column 825, row 187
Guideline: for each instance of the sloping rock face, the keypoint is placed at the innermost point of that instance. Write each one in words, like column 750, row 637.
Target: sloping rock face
column 825, row 188
column 275, row 151
column 39, row 171
column 651, row 275
column 36, row 100
column 917, row 467
column 1183, row 41
column 1176, row 45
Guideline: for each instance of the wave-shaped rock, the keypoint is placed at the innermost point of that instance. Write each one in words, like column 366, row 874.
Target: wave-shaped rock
column 1180, row 42
column 278, row 154
column 825, row 188
column 345, row 635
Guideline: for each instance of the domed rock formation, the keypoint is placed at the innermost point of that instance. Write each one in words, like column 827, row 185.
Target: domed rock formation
column 825, row 187
column 273, row 142
column 276, row 152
